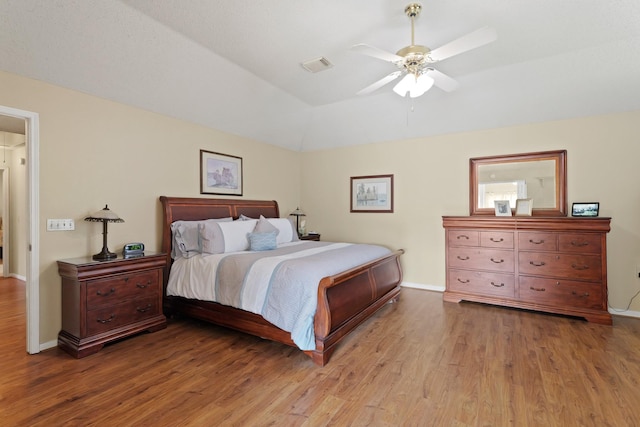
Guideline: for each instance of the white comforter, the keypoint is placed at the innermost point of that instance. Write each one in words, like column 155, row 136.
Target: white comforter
column 279, row 285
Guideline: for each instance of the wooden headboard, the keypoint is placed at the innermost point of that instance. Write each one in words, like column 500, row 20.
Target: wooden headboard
column 193, row 209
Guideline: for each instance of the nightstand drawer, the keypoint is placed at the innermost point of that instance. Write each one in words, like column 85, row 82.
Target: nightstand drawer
column 120, row 288
column 108, row 318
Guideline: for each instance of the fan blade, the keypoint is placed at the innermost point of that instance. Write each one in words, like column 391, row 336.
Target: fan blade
column 383, row 81
column 443, row 81
column 470, row 41
column 365, row 49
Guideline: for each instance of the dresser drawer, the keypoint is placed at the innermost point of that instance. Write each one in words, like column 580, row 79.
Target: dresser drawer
column 583, row 243
column 496, row 239
column 561, row 293
column 569, row 266
column 464, row 238
column 537, row 241
column 481, row 259
column 107, row 318
column 477, row 282
column 119, row 288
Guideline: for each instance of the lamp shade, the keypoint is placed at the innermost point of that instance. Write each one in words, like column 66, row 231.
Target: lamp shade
column 105, row 216
column 297, row 212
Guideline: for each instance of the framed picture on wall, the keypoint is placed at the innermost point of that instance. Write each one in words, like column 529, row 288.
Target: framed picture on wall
column 220, row 174
column 373, row 193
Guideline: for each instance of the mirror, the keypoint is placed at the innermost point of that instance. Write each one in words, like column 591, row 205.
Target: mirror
column 541, row 177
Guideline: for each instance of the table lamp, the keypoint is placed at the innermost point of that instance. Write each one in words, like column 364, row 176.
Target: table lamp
column 298, row 213
column 105, row 215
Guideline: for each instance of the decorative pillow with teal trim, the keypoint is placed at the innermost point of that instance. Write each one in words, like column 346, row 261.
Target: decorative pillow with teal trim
column 262, row 241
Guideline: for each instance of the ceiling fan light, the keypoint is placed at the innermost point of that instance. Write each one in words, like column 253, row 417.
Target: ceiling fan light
column 405, row 85
column 422, row 84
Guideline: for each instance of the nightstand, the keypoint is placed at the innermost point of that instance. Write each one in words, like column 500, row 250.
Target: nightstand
column 103, row 301
column 315, row 237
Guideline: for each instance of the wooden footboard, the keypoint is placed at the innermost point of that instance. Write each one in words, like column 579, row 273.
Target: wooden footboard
column 348, row 299
column 345, row 300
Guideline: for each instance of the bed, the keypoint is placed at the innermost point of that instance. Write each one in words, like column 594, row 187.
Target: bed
column 344, row 300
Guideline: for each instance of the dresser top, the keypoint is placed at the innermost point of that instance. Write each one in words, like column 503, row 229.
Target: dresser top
column 597, row 224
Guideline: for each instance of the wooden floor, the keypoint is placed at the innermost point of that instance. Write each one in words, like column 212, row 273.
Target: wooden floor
column 420, row 362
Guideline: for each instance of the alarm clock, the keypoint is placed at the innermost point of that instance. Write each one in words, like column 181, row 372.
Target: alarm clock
column 131, row 250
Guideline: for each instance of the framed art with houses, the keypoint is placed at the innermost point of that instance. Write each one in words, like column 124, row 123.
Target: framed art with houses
column 220, row 174
column 373, row 193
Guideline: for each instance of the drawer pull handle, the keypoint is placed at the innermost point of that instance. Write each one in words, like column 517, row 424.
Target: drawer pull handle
column 462, row 258
column 536, row 242
column 143, row 285
column 103, row 321
column 579, row 244
column 537, row 289
column 579, row 267
column 497, row 261
column 497, row 286
column 537, row 264
column 586, row 294
column 111, row 291
column 463, row 281
column 144, row 309
column 462, row 236
column 497, row 240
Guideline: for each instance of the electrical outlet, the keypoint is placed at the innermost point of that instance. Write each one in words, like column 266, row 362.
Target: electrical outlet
column 60, row 225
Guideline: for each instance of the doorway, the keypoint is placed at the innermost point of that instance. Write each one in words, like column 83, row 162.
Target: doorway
column 32, row 282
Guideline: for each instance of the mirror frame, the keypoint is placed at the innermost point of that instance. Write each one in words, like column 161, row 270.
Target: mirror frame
column 560, row 158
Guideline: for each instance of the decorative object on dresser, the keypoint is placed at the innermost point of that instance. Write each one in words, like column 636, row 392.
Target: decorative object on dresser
column 220, row 174
column 373, row 193
column 105, row 215
column 590, row 209
column 502, row 208
column 556, row 265
column 109, row 300
column 344, row 300
column 524, row 207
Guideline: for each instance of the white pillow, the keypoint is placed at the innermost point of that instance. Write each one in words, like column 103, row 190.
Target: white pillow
column 185, row 239
column 285, row 230
column 236, row 234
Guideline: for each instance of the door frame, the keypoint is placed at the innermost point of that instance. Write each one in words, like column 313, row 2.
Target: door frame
column 32, row 140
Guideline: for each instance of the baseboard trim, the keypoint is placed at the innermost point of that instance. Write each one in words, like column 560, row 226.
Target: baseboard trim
column 624, row 313
column 423, row 286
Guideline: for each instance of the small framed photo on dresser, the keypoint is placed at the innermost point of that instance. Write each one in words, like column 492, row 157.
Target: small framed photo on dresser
column 590, row 209
column 502, row 207
column 524, row 207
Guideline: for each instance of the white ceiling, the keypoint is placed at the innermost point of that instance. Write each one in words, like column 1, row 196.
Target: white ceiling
column 235, row 66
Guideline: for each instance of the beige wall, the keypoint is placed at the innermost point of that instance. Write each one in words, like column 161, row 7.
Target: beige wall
column 432, row 179
column 94, row 152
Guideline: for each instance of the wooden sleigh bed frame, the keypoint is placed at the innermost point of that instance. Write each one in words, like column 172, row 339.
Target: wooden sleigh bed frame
column 345, row 300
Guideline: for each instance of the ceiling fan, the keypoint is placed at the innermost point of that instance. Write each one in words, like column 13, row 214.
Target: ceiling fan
column 415, row 61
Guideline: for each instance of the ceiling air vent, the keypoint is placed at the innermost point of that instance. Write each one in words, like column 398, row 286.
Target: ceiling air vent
column 318, row 64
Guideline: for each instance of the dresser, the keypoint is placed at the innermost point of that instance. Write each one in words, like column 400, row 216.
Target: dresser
column 556, row 265
column 103, row 301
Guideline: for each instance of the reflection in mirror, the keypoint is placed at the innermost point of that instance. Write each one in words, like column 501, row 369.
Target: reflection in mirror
column 537, row 176
column 522, row 180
